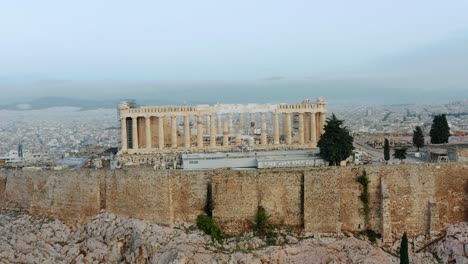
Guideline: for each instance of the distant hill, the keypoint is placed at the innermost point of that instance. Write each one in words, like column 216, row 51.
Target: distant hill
column 48, row 102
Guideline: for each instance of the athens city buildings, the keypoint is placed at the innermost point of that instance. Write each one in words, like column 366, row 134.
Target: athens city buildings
column 149, row 129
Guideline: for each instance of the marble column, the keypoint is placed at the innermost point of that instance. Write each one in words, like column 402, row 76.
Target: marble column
column 174, row 131
column 187, row 133
column 239, row 132
column 123, row 121
column 241, row 123
column 264, row 139
column 301, row 128
column 220, row 124
column 306, row 128
column 207, row 127
column 288, row 129
column 285, row 127
column 252, row 120
column 230, row 124
column 148, row 131
column 226, row 134
column 213, row 131
column 161, row 132
column 135, row 132
column 276, row 136
column 324, row 117
column 313, row 131
column 200, row 131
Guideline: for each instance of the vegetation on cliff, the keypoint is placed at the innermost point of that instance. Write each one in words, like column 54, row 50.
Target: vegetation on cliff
column 206, row 222
column 262, row 226
column 209, row 206
column 208, row 225
column 364, row 196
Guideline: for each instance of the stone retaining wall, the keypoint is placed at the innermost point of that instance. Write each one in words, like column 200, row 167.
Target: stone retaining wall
column 417, row 198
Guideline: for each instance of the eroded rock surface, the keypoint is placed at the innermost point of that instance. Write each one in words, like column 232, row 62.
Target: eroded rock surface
column 453, row 247
column 112, row 239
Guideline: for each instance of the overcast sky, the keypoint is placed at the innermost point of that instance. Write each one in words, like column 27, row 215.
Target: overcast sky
column 104, row 48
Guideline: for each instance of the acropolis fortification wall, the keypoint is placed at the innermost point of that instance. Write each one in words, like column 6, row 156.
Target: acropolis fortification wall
column 417, row 198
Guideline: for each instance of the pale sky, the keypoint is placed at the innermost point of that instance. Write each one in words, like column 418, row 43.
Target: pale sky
column 62, row 47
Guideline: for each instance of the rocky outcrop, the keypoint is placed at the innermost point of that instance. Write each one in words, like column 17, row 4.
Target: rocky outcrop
column 111, row 239
column 453, row 247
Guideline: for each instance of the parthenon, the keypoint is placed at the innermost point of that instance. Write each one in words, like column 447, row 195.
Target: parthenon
column 147, row 129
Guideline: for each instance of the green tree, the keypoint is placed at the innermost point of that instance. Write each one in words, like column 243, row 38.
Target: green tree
column 440, row 131
column 418, row 138
column 336, row 144
column 208, row 225
column 261, row 225
column 386, row 150
column 404, row 257
column 400, row 154
column 209, row 206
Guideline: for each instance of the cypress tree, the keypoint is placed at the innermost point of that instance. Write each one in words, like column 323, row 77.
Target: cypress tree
column 440, row 131
column 418, row 138
column 336, row 144
column 404, row 257
column 386, row 150
column 209, row 206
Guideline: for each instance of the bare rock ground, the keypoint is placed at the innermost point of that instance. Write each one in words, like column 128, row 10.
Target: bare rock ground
column 453, row 247
column 112, row 239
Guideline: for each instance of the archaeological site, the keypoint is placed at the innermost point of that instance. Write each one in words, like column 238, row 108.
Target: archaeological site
column 228, row 163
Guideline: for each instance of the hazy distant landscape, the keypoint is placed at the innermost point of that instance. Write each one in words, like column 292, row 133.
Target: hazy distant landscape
column 277, row 92
column 426, row 73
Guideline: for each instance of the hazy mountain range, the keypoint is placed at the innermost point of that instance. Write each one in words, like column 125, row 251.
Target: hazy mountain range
column 48, row 102
column 436, row 72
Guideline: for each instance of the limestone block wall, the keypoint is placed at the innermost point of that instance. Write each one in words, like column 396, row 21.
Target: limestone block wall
column 280, row 193
column 417, row 198
column 3, row 181
column 410, row 189
column 237, row 195
column 139, row 194
column 236, row 199
column 332, row 204
column 451, row 194
column 73, row 196
column 420, row 198
column 321, row 202
column 163, row 197
column 19, row 190
column 188, row 195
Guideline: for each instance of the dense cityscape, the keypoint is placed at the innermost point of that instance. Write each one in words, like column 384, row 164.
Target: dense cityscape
column 57, row 131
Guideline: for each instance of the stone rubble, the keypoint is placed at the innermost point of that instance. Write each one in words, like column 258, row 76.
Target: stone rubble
column 114, row 239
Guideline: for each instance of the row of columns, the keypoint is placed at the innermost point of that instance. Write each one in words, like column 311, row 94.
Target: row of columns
column 314, row 130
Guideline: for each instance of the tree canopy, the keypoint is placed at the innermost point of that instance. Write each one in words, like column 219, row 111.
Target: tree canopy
column 418, row 138
column 440, row 130
column 386, row 150
column 336, row 144
column 400, row 154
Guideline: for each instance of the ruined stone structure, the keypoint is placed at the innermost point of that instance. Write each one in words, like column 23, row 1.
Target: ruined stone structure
column 417, row 198
column 150, row 129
